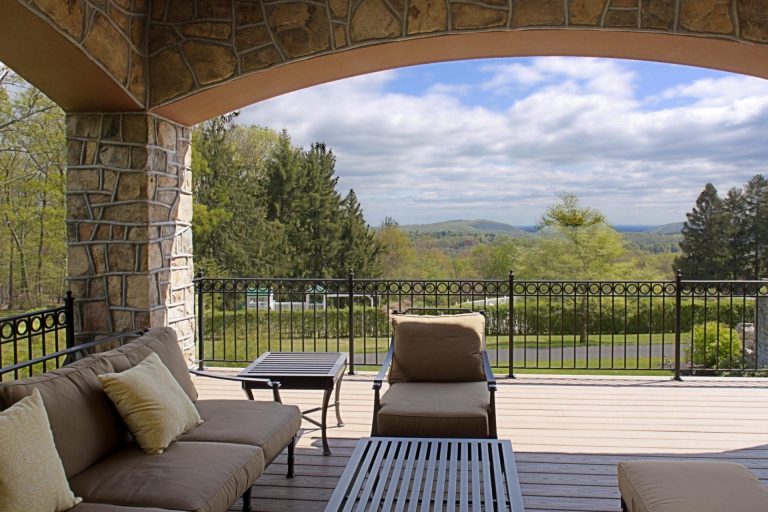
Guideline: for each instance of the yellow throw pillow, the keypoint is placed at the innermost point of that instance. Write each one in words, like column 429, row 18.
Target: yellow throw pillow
column 152, row 403
column 31, row 474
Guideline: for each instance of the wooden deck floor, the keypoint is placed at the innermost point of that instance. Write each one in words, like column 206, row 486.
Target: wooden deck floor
column 568, row 433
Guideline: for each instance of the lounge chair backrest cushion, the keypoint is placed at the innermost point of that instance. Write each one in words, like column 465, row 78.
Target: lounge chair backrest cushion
column 445, row 348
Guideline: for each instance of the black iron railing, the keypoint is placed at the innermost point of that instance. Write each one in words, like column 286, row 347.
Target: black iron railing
column 48, row 361
column 35, row 336
column 642, row 326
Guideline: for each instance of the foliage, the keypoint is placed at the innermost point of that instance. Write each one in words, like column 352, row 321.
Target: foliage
column 32, row 195
column 727, row 238
column 266, row 207
column 716, row 345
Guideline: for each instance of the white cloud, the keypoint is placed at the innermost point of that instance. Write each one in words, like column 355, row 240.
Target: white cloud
column 565, row 124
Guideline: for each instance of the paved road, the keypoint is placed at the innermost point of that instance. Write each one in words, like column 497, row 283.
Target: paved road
column 546, row 359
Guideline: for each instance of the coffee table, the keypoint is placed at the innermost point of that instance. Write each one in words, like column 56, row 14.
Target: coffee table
column 420, row 474
column 302, row 370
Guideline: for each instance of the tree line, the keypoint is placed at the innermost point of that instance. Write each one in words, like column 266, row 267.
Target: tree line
column 265, row 207
column 727, row 237
column 32, row 196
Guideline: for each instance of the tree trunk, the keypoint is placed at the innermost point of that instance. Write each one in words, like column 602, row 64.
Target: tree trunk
column 584, row 320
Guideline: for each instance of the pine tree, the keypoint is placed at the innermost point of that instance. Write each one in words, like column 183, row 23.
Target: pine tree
column 359, row 245
column 706, row 239
column 739, row 241
column 321, row 212
column 756, row 225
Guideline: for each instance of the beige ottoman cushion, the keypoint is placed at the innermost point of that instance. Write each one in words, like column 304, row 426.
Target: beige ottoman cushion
column 690, row 486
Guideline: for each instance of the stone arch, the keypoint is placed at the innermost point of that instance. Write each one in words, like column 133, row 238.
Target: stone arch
column 190, row 60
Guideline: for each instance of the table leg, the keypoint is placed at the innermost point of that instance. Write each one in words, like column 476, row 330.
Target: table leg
column 338, row 404
column 248, row 392
column 323, row 421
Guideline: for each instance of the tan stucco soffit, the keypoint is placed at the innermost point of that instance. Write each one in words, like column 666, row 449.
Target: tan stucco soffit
column 677, row 49
column 53, row 64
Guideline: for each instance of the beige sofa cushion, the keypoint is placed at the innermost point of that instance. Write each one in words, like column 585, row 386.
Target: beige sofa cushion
column 269, row 425
column 85, row 424
column 195, row 477
column 437, row 348
column 426, row 409
column 683, row 486
column 151, row 403
column 163, row 342
column 31, row 474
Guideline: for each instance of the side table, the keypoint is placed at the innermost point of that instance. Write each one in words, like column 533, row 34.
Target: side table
column 302, row 370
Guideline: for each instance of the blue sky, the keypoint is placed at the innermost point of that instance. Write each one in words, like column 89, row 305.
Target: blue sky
column 498, row 138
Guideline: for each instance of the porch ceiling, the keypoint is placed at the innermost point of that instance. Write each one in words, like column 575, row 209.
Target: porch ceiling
column 192, row 60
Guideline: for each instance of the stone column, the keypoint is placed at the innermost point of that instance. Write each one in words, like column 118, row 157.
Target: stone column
column 129, row 232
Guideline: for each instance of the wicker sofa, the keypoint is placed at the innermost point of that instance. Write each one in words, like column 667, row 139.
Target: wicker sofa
column 206, row 469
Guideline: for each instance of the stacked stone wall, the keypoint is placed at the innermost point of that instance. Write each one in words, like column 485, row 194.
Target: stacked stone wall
column 129, row 223
column 195, row 44
column 111, row 32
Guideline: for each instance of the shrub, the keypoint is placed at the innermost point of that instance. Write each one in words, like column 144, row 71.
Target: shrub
column 716, row 345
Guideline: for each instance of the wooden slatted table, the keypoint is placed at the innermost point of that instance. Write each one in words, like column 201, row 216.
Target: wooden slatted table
column 302, row 370
column 420, row 474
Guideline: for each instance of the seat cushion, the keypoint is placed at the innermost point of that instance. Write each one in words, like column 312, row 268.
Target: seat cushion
column 435, row 409
column 85, row 424
column 446, row 348
column 196, row 477
column 269, row 425
column 104, row 507
column 683, row 486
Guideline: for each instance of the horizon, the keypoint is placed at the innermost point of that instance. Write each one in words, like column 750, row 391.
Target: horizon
column 500, row 137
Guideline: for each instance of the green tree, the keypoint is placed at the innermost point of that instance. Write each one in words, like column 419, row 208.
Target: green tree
column 577, row 245
column 494, row 260
column 32, row 194
column 396, row 255
column 706, row 239
column 756, row 226
column 230, row 206
column 359, row 246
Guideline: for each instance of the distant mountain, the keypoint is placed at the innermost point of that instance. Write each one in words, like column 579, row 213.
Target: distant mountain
column 490, row 227
column 674, row 228
column 476, row 226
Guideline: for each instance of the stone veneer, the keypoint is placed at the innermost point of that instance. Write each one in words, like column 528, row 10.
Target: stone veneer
column 129, row 215
column 111, row 32
column 195, row 44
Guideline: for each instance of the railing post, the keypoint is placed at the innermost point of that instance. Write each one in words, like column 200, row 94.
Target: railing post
column 511, row 312
column 678, row 320
column 200, row 309
column 351, row 321
column 69, row 308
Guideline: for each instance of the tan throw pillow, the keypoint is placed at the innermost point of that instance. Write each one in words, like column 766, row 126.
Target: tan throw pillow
column 31, row 474
column 443, row 348
column 152, row 403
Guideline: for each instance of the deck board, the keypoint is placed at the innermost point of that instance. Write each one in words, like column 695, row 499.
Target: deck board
column 568, row 433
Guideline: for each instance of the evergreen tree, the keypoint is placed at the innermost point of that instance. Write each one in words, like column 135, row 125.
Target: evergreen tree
column 229, row 207
column 706, row 243
column 739, row 241
column 321, row 213
column 756, row 225
column 359, row 245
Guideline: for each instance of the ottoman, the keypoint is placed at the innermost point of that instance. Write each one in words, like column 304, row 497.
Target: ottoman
column 689, row 486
